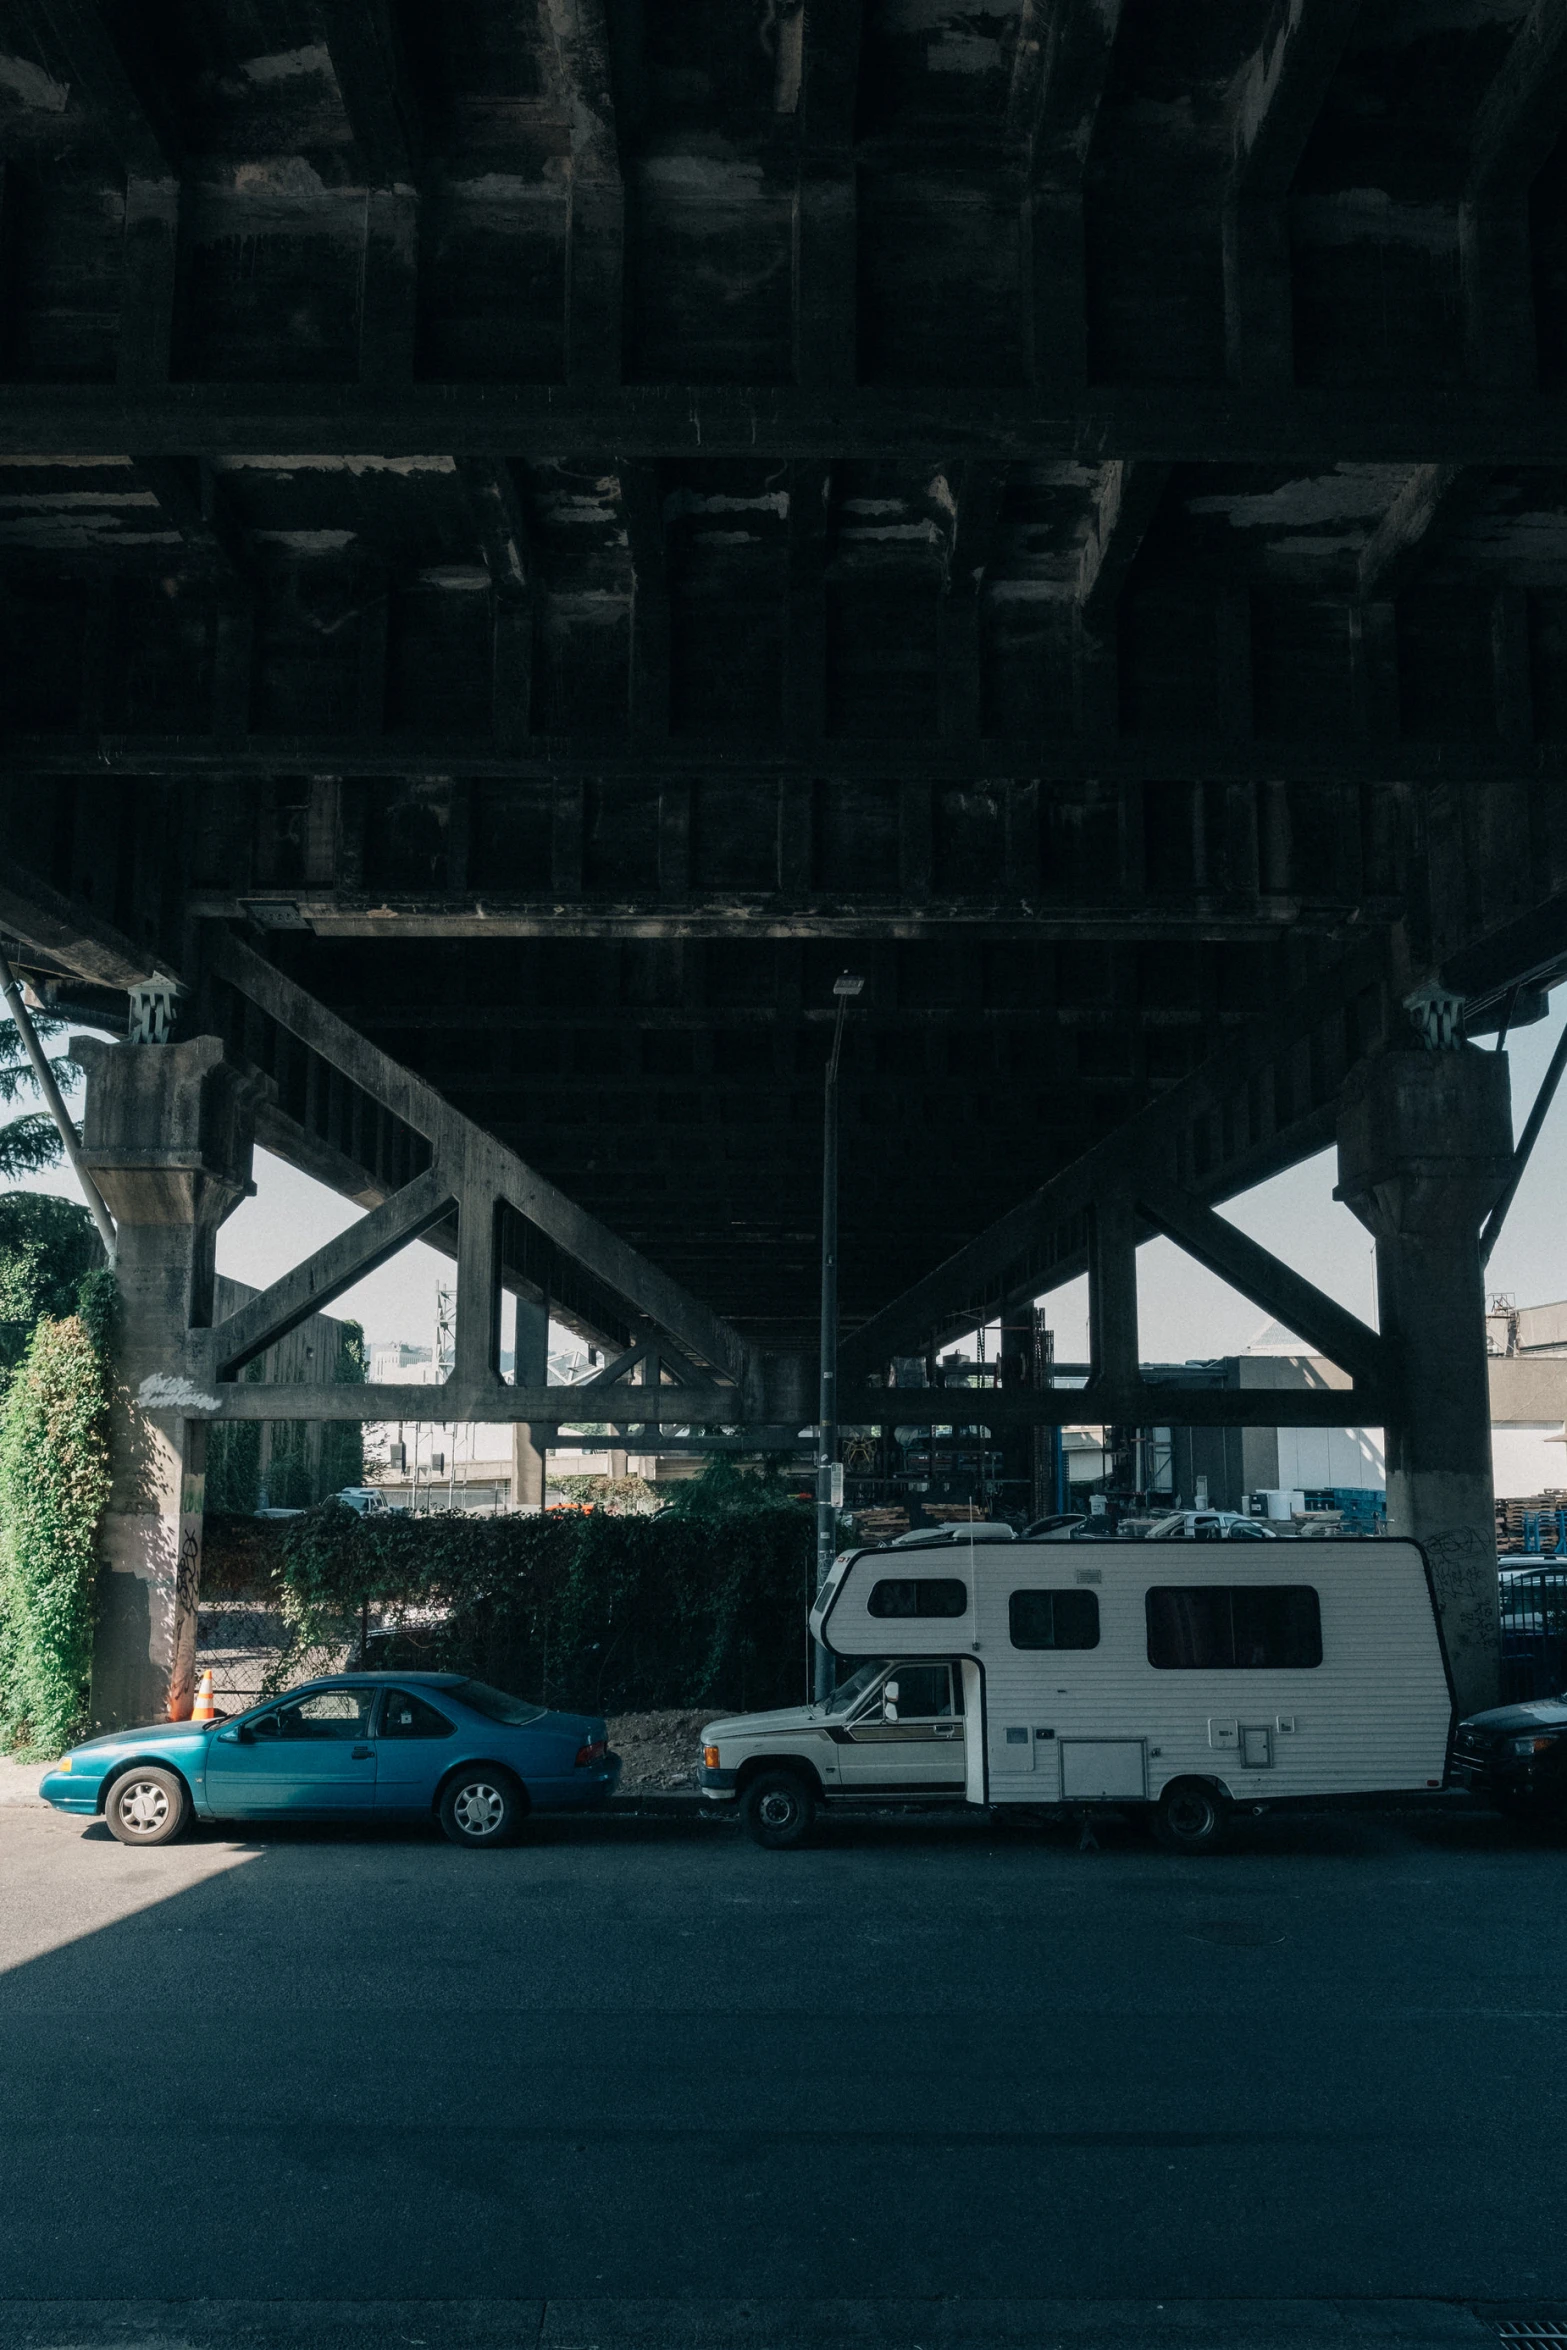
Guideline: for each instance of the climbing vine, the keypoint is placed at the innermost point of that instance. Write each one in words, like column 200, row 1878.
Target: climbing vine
column 54, row 1484
column 577, row 1608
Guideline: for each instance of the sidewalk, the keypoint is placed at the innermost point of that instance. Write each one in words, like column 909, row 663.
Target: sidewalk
column 19, row 1783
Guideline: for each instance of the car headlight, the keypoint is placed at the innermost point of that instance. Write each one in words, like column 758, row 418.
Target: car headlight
column 64, row 1763
column 1530, row 1745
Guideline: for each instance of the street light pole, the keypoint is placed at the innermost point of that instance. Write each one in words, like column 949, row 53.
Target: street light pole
column 827, row 1471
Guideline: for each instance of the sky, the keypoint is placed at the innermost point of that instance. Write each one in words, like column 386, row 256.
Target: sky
column 1185, row 1314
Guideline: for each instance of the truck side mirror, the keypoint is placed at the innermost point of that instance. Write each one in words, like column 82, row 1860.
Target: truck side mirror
column 890, row 1689
column 889, row 1712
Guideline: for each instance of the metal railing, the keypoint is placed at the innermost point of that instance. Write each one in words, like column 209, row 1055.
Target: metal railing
column 1534, row 1632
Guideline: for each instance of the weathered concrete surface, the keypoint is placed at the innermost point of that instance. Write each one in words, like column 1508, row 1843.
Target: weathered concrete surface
column 1425, row 1146
column 167, row 1135
column 644, row 2062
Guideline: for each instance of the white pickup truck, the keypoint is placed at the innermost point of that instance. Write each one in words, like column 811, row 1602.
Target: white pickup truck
column 1184, row 1681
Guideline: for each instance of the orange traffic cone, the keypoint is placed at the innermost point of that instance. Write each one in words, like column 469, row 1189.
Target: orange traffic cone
column 204, row 1710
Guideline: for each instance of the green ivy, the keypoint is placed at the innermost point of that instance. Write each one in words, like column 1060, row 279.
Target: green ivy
column 54, row 1484
column 600, row 1612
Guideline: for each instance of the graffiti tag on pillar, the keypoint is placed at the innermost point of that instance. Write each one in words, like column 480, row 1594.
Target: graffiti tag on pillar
column 187, row 1583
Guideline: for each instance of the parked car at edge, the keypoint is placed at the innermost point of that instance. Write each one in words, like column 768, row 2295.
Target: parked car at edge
column 350, row 1746
column 1208, row 1526
column 1515, row 1756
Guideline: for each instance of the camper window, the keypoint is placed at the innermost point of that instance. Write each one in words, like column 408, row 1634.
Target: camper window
column 1053, row 1619
column 918, row 1595
column 1257, row 1627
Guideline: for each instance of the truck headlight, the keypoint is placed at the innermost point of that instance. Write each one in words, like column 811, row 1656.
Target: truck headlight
column 710, row 1758
column 1530, row 1745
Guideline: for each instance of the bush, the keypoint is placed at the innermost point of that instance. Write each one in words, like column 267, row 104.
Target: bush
column 54, row 1483
column 578, row 1609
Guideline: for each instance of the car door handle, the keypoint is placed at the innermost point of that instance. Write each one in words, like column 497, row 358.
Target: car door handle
column 363, row 1754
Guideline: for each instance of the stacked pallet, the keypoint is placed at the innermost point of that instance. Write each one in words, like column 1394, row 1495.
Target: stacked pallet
column 881, row 1525
column 1513, row 1530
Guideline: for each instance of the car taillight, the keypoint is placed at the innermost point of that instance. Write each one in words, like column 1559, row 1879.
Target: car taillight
column 592, row 1754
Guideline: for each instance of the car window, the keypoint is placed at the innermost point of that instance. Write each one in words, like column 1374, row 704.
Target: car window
column 495, row 1705
column 918, row 1595
column 1053, row 1619
column 327, row 1713
column 924, row 1692
column 403, row 1715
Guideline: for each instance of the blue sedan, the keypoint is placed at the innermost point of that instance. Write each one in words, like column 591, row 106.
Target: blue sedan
column 353, row 1746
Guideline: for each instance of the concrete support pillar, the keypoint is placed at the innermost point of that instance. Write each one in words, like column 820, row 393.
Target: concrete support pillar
column 528, row 1467
column 1425, row 1147
column 167, row 1134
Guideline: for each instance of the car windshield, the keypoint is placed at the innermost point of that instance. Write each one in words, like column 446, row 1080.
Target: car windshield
column 495, row 1705
column 849, row 1692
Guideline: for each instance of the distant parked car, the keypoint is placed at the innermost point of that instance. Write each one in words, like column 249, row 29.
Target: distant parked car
column 357, row 1746
column 1208, row 1526
column 1515, row 1756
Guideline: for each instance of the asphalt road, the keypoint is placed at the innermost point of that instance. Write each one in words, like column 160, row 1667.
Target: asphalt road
column 646, row 2059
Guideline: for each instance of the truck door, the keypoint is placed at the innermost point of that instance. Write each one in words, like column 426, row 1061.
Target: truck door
column 910, row 1742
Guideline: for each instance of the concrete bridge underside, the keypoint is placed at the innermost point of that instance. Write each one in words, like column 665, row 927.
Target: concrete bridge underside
column 525, row 556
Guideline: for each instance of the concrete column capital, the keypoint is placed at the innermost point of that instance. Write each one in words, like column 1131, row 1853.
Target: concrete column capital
column 168, row 1129
column 1425, row 1142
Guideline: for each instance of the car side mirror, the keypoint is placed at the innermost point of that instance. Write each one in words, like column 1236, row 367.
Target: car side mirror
column 889, row 1712
column 241, row 1735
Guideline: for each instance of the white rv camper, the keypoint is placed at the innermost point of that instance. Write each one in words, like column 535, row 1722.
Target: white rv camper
column 1184, row 1678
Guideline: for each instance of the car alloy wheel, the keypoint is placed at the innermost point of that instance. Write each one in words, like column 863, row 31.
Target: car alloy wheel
column 481, row 1808
column 146, row 1807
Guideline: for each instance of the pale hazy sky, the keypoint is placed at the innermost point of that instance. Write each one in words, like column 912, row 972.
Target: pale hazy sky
column 1185, row 1313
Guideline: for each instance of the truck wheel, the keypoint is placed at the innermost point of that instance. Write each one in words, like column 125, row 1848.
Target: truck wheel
column 1189, row 1817
column 779, row 1810
column 146, row 1806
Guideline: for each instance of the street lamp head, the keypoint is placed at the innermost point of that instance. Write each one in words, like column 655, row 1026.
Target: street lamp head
column 848, row 985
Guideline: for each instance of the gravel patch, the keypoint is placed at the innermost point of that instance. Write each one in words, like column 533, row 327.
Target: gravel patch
column 659, row 1750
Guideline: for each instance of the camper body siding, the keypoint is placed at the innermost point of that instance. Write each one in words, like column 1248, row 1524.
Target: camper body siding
column 1105, row 1724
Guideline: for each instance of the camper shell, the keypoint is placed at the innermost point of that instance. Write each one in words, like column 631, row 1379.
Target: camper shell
column 995, row 1671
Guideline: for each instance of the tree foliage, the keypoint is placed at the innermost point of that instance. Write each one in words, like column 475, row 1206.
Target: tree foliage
column 30, row 1143
column 47, row 1247
column 54, row 1484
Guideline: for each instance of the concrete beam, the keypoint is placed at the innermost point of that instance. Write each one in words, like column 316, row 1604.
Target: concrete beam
column 1060, row 67
column 488, row 1167
column 311, row 1286
column 1435, row 502
column 826, row 212
column 69, row 933
column 1302, row 427
column 1131, row 1402
column 1264, row 1278
column 378, row 93
column 1043, row 1241
column 1273, row 106
column 596, row 233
